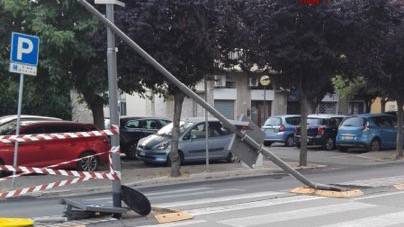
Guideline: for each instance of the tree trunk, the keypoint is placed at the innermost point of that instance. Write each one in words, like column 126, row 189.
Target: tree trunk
column 303, row 126
column 98, row 115
column 96, row 105
column 399, row 138
column 174, row 154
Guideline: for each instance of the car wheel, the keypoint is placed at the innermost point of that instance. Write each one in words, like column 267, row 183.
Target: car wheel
column 290, row 141
column 374, row 145
column 329, row 145
column 230, row 158
column 3, row 173
column 268, row 144
column 88, row 164
column 131, row 152
column 343, row 149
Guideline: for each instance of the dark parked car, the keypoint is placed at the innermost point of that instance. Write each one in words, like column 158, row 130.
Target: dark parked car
column 132, row 129
column 49, row 152
column 322, row 130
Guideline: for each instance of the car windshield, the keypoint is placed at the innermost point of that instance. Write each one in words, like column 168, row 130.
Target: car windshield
column 166, row 130
column 8, row 128
column 353, row 122
column 273, row 121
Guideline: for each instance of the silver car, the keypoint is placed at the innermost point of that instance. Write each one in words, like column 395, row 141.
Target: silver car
column 191, row 147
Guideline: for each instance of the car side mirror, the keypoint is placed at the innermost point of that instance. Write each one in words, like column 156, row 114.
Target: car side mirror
column 186, row 137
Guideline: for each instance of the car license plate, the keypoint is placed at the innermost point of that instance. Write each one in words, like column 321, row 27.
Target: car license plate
column 347, row 137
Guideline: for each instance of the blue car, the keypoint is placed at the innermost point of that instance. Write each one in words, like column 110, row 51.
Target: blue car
column 281, row 129
column 370, row 131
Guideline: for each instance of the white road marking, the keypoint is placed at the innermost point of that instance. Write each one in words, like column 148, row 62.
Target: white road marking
column 377, row 182
column 250, row 205
column 197, row 193
column 377, row 196
column 219, row 199
column 295, row 214
column 177, row 191
column 181, row 223
column 375, row 221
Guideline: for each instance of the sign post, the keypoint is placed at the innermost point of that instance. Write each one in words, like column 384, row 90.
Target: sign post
column 113, row 96
column 23, row 60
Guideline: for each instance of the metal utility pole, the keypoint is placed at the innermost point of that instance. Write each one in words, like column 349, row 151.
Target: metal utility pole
column 205, row 82
column 113, row 96
column 188, row 92
column 265, row 81
column 17, row 131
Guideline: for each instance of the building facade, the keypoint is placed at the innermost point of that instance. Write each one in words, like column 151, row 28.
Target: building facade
column 233, row 94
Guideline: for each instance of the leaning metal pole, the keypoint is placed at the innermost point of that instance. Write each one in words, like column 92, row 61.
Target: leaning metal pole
column 187, row 91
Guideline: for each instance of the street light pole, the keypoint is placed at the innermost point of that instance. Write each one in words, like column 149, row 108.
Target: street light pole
column 113, row 96
column 113, row 104
column 205, row 81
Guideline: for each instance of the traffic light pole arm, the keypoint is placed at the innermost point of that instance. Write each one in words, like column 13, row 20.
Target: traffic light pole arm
column 187, row 91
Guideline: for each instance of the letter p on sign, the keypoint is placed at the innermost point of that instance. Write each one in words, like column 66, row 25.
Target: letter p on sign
column 24, row 54
column 24, row 46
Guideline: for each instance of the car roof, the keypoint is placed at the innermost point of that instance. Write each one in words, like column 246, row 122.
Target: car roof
column 28, row 123
column 325, row 116
column 200, row 119
column 373, row 115
column 125, row 118
column 286, row 115
column 7, row 118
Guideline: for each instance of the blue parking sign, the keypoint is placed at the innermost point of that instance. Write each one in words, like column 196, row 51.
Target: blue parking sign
column 24, row 53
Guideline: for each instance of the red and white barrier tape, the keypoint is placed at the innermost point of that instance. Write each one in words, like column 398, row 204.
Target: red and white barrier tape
column 58, row 136
column 27, row 170
column 81, row 176
column 42, row 187
column 68, row 173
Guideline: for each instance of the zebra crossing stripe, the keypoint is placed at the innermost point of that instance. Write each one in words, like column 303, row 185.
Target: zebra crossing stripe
column 267, row 219
column 220, row 199
column 375, row 221
column 251, row 205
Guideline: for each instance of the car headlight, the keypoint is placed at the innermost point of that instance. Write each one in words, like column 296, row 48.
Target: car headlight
column 162, row 146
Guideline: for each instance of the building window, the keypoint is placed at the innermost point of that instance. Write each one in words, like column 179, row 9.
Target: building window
column 327, row 108
column 122, row 107
column 230, row 82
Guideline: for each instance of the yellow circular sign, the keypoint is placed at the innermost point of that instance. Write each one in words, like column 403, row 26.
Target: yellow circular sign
column 265, row 80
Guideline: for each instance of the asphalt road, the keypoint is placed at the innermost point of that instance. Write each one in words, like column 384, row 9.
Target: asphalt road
column 259, row 201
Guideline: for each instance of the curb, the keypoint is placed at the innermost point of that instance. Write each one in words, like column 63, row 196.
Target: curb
column 166, row 181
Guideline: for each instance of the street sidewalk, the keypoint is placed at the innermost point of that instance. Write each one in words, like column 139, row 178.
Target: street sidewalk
column 136, row 174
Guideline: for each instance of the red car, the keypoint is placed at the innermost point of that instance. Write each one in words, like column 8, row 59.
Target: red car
column 46, row 153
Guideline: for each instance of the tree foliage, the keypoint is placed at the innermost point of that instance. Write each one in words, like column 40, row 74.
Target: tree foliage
column 298, row 42
column 72, row 55
column 379, row 40
column 179, row 34
column 43, row 94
